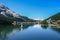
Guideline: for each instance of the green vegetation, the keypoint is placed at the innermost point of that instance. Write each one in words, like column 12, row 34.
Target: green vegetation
column 10, row 20
column 55, row 18
column 5, row 20
column 8, row 16
column 44, row 22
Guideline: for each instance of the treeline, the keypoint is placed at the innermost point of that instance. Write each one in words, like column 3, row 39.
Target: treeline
column 54, row 17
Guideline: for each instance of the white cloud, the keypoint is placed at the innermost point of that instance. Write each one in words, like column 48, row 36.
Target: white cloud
column 38, row 19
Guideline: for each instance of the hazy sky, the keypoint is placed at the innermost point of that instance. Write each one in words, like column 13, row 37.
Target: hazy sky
column 33, row 8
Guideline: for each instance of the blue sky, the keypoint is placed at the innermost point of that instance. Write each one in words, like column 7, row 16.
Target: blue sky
column 33, row 8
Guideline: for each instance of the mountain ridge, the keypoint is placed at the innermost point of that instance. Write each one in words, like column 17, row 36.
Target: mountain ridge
column 52, row 19
column 7, row 15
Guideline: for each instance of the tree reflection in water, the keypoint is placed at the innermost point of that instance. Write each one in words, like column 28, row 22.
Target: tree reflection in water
column 56, row 29
column 5, row 30
column 44, row 26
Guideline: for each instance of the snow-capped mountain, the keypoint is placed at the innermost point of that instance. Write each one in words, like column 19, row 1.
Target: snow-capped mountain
column 7, row 12
column 9, row 16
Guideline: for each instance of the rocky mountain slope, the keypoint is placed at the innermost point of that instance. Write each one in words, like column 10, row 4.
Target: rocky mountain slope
column 8, row 16
column 52, row 19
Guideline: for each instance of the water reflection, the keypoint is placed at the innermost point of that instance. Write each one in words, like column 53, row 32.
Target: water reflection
column 56, row 29
column 37, row 26
column 6, row 30
column 44, row 26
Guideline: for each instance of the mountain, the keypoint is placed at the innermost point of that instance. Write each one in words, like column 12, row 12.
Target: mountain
column 53, row 19
column 8, row 16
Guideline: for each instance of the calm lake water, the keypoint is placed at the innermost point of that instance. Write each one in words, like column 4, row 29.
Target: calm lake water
column 29, row 32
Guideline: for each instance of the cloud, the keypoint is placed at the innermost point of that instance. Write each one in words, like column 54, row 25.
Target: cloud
column 38, row 19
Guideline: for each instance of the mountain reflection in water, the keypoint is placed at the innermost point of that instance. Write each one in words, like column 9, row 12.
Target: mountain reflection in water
column 26, row 32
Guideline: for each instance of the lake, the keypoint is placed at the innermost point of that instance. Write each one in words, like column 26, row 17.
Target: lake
column 29, row 32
